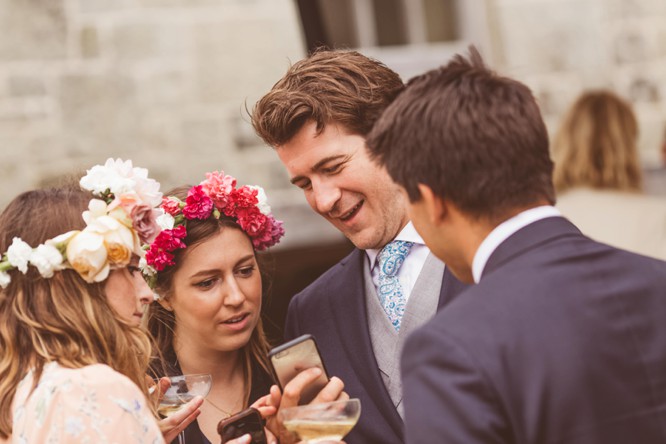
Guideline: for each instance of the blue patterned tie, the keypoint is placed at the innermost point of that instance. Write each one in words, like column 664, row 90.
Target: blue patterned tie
column 390, row 292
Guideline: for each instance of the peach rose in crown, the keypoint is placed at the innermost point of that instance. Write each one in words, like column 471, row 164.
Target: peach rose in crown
column 119, row 240
column 87, row 255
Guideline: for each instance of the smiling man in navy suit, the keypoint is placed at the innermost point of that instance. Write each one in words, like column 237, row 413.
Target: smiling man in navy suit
column 562, row 339
column 363, row 308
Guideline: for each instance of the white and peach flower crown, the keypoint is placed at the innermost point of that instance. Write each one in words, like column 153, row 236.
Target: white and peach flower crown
column 120, row 219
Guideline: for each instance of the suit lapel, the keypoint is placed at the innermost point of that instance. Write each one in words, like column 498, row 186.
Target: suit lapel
column 349, row 310
column 528, row 238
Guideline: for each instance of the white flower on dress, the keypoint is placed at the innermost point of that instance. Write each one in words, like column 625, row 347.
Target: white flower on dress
column 47, row 259
column 18, row 254
column 74, row 426
column 263, row 200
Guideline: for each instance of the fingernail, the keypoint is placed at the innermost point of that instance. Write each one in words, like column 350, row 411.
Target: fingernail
column 245, row 438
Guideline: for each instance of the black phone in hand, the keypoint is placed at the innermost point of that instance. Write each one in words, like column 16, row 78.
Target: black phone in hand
column 247, row 421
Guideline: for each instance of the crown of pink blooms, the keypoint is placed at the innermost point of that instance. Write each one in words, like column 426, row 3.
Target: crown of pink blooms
column 215, row 196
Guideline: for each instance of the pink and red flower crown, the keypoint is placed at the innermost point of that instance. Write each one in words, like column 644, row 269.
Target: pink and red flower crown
column 213, row 197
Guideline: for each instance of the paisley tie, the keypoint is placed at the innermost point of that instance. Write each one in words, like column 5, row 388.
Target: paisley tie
column 390, row 292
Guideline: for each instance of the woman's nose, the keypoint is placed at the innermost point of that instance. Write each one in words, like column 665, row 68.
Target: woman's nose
column 234, row 296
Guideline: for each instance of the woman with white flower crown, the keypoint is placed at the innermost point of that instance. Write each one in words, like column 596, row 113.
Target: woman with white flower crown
column 204, row 267
column 72, row 357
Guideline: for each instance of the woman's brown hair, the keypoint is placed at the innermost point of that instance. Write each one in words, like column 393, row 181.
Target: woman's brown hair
column 62, row 319
column 161, row 322
column 596, row 145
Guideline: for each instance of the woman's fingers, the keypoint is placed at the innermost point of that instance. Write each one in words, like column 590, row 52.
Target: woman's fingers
column 178, row 421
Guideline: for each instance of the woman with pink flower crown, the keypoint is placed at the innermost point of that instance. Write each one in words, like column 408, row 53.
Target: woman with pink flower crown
column 204, row 268
column 73, row 359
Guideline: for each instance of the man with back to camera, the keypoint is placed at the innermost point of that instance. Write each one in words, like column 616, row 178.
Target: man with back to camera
column 563, row 339
column 316, row 117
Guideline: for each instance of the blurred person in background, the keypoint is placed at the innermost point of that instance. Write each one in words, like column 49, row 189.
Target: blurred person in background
column 599, row 180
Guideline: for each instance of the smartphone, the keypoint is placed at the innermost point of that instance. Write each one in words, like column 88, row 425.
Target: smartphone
column 247, row 421
column 293, row 357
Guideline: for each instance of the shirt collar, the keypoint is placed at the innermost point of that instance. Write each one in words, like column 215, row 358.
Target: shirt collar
column 408, row 234
column 503, row 231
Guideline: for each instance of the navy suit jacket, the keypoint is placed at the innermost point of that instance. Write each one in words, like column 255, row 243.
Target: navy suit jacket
column 562, row 341
column 333, row 310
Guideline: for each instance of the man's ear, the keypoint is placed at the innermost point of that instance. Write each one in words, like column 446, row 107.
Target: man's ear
column 434, row 205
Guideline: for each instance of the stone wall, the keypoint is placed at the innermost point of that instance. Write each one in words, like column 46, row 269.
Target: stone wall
column 562, row 47
column 163, row 82
column 166, row 82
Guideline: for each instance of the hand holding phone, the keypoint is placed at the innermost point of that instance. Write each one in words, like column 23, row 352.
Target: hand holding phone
column 289, row 359
column 247, row 421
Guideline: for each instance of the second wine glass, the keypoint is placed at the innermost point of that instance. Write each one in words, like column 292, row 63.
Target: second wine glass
column 318, row 423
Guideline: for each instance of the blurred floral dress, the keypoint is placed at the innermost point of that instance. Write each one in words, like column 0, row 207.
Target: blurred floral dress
column 93, row 404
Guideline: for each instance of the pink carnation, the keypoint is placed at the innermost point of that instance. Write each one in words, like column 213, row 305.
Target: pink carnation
column 271, row 235
column 171, row 206
column 218, row 187
column 198, row 205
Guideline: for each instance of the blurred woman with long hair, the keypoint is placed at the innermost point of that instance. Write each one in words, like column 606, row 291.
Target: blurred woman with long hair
column 598, row 176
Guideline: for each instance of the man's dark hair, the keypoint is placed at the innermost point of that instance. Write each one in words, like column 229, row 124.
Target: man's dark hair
column 472, row 136
column 329, row 86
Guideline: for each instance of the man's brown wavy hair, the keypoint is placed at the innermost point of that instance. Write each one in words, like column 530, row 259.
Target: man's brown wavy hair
column 329, row 86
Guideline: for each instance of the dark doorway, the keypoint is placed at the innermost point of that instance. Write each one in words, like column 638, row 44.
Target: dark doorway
column 288, row 272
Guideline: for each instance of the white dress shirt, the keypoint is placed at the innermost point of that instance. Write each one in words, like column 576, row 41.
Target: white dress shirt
column 411, row 268
column 502, row 233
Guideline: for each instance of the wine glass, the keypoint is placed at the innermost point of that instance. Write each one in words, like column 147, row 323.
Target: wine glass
column 183, row 389
column 316, row 423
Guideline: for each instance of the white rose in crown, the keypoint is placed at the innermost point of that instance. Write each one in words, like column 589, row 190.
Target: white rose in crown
column 87, row 255
column 47, row 259
column 5, row 279
column 114, row 176
column 147, row 188
column 18, row 254
column 263, row 200
column 120, row 177
column 165, row 221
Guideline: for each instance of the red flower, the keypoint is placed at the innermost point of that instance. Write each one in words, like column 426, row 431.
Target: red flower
column 198, row 205
column 171, row 206
column 159, row 259
column 251, row 220
column 160, row 254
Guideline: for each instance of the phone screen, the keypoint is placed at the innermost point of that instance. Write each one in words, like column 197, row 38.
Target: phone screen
column 289, row 359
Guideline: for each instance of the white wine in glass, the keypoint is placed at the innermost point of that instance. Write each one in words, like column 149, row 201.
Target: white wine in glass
column 315, row 423
column 182, row 390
